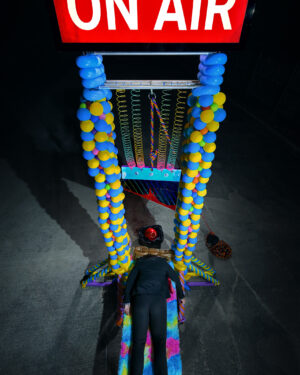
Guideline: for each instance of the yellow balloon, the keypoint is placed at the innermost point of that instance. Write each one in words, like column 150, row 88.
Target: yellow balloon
column 202, row 193
column 113, row 126
column 182, row 241
column 183, row 212
column 196, row 137
column 88, row 145
column 101, row 137
column 107, row 235
column 104, row 215
column 117, row 169
column 187, row 199
column 103, row 155
column 93, row 163
column 188, row 252
column 100, row 177
column 207, row 115
column 86, row 126
column 109, row 118
column 116, row 184
column 220, row 98
column 111, row 106
column 206, row 164
column 110, row 170
column 186, row 222
column 104, row 226
column 191, row 172
column 103, row 203
column 213, row 126
column 195, row 217
column 101, row 192
column 193, row 235
column 203, row 180
column 195, row 227
column 209, row 147
column 96, row 109
column 195, row 157
column 190, row 186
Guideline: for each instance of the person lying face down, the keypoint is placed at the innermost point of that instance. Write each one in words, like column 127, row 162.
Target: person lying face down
column 146, row 293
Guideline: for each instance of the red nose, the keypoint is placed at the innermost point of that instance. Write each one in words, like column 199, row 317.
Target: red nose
column 151, row 234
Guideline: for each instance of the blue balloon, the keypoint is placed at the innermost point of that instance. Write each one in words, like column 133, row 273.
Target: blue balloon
column 193, row 240
column 197, row 211
column 101, row 221
column 193, row 147
column 187, row 178
column 198, row 200
column 220, row 115
column 186, row 206
column 211, row 80
column 102, row 209
column 113, row 227
column 93, row 171
column 200, row 186
column 183, row 217
column 206, row 100
column 111, row 178
column 114, row 135
column 206, row 90
column 89, row 61
column 94, row 95
column 199, row 125
column 196, row 112
column 192, row 100
column 99, row 185
column 209, row 137
column 106, row 163
column 91, row 73
column 208, row 156
column 87, row 136
column 106, row 107
column 102, row 126
column 93, row 83
column 205, row 173
column 83, row 114
column 108, row 94
column 186, row 193
column 191, row 165
column 94, row 118
column 116, row 204
column 214, row 59
column 211, row 70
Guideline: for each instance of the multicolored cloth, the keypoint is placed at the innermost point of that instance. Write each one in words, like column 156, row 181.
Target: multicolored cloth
column 173, row 347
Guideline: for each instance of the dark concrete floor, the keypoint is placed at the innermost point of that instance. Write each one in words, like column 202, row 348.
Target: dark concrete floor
column 249, row 325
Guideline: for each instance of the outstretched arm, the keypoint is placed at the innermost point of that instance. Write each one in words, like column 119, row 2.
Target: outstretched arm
column 130, row 282
column 175, row 277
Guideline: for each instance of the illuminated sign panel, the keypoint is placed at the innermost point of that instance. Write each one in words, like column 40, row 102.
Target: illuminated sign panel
column 150, row 21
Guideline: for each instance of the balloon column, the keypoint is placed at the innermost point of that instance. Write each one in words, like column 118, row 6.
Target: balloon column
column 204, row 117
column 98, row 136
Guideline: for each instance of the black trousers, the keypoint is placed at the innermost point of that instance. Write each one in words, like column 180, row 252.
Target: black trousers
column 149, row 310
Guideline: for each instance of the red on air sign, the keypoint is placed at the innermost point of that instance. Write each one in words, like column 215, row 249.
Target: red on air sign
column 150, row 21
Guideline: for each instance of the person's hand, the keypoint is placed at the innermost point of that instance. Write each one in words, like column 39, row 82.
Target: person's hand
column 127, row 308
column 182, row 300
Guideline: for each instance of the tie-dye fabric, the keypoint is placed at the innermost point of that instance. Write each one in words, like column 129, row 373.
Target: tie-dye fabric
column 173, row 347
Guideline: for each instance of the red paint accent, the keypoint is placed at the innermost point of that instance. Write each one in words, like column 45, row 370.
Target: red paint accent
column 151, row 197
column 148, row 12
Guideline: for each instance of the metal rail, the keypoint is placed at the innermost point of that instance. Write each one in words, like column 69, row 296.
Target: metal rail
column 151, row 84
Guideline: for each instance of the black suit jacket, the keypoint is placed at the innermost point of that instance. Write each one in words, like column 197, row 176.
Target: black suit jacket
column 150, row 276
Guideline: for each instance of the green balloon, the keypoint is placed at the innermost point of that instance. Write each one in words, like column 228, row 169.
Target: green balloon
column 214, row 107
column 82, row 105
column 202, row 143
column 107, row 187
